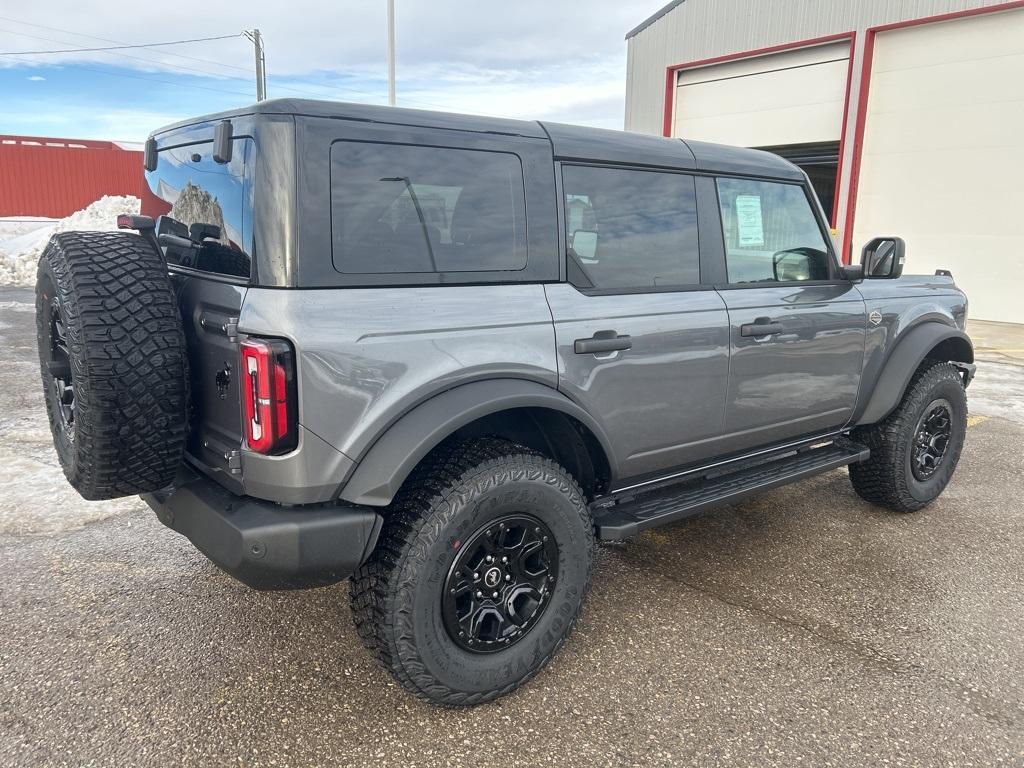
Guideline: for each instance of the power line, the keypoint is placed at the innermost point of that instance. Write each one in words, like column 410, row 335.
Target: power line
column 119, row 47
column 121, row 42
column 152, row 62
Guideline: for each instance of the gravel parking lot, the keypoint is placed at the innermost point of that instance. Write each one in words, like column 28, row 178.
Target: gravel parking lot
column 801, row 627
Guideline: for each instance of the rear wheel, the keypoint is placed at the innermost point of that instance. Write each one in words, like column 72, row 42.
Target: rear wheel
column 479, row 574
column 112, row 358
column 915, row 450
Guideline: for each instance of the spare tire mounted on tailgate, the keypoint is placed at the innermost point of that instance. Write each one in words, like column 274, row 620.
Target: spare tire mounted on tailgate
column 112, row 353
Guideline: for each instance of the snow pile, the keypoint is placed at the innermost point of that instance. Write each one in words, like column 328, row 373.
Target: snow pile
column 19, row 255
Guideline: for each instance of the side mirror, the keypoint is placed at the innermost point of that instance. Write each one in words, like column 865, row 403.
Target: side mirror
column 882, row 258
column 584, row 245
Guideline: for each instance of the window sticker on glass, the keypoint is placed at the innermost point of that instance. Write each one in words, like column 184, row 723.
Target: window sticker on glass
column 749, row 222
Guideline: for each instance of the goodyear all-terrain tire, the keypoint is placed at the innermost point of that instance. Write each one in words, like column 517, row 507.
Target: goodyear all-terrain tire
column 480, row 571
column 915, row 449
column 113, row 362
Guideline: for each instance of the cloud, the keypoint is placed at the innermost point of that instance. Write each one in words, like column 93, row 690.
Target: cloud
column 36, row 78
column 528, row 59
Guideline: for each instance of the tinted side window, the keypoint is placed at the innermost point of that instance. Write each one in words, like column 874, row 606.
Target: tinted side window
column 404, row 209
column 207, row 201
column 631, row 229
column 771, row 233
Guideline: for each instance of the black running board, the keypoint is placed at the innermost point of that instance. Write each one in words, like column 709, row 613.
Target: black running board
column 628, row 516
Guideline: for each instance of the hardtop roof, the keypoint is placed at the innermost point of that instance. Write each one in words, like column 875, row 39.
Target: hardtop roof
column 569, row 142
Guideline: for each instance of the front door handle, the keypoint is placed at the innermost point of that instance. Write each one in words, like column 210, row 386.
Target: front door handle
column 602, row 341
column 762, row 326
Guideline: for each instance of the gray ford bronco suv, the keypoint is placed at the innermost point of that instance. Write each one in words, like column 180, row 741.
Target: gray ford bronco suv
column 444, row 355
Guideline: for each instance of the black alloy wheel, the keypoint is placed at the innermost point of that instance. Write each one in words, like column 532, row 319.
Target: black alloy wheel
column 931, row 439
column 59, row 367
column 500, row 583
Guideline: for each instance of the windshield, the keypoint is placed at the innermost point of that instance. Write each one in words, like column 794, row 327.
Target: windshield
column 207, row 207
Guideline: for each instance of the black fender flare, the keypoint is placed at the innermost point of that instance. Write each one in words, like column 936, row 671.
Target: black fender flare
column 905, row 358
column 385, row 466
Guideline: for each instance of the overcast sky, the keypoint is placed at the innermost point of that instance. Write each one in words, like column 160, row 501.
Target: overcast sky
column 528, row 58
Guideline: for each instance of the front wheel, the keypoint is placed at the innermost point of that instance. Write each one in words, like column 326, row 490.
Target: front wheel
column 915, row 450
column 479, row 574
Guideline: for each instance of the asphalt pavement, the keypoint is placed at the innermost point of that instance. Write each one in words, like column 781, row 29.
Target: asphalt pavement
column 803, row 627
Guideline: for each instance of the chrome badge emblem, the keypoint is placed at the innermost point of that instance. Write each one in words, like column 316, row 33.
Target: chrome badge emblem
column 875, row 317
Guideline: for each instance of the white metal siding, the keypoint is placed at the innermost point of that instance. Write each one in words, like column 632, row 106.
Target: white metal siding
column 702, row 29
column 792, row 97
column 943, row 154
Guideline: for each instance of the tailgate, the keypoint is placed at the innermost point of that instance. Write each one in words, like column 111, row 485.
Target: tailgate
column 209, row 310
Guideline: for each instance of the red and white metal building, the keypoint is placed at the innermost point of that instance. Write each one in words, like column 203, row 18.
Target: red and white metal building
column 908, row 115
column 56, row 177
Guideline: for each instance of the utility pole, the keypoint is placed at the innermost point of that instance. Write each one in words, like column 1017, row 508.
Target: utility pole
column 261, row 63
column 391, row 52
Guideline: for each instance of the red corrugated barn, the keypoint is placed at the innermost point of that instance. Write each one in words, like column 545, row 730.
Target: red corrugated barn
column 56, row 177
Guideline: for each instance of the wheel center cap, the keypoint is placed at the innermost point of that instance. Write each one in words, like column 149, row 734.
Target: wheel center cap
column 492, row 577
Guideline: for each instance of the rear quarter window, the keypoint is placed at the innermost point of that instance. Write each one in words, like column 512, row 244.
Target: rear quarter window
column 188, row 188
column 399, row 209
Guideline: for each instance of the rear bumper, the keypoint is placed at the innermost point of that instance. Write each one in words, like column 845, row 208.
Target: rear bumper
column 263, row 544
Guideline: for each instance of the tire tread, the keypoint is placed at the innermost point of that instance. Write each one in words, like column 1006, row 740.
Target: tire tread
column 129, row 362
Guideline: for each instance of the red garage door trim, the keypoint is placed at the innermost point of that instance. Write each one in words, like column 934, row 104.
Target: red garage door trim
column 862, row 101
column 671, row 78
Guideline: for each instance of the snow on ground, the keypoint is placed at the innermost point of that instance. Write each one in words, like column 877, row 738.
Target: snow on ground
column 34, row 496
column 12, row 226
column 19, row 253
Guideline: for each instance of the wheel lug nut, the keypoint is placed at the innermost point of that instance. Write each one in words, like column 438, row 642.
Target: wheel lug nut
column 508, row 577
column 476, row 575
column 490, row 559
column 494, row 594
column 479, row 593
column 504, row 559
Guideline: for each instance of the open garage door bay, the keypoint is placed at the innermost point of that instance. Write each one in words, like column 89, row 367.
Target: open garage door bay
column 943, row 154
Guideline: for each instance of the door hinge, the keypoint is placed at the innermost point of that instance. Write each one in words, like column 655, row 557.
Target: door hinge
column 230, row 329
column 234, row 461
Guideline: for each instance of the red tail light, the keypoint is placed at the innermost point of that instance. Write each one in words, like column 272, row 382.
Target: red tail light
column 269, row 395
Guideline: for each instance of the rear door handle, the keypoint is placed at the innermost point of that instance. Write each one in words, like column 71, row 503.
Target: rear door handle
column 762, row 326
column 602, row 341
